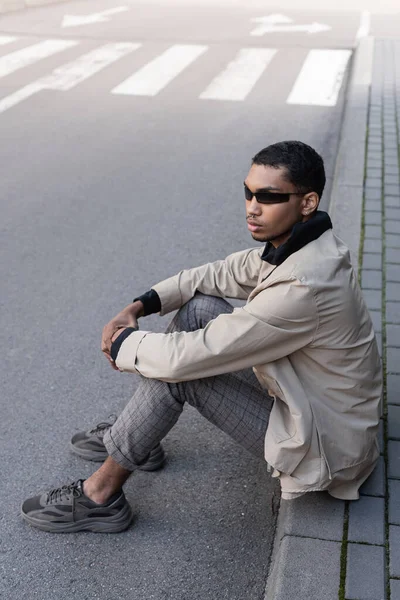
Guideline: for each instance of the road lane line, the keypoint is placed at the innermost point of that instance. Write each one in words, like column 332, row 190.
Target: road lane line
column 365, row 24
column 320, row 78
column 7, row 39
column 240, row 75
column 27, row 56
column 158, row 73
column 68, row 76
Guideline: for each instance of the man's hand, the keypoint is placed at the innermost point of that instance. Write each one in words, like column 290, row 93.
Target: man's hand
column 126, row 318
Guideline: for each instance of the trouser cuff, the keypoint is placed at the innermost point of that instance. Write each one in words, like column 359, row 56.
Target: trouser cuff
column 116, row 453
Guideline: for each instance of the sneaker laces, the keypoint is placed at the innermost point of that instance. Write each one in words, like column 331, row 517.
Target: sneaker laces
column 74, row 488
column 101, row 427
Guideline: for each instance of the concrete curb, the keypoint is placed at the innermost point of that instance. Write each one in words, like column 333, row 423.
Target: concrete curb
column 305, row 561
column 7, row 6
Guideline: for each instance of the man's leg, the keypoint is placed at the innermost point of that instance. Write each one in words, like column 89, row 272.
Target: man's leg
column 234, row 402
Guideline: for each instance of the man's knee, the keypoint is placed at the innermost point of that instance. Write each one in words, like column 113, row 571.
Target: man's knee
column 198, row 311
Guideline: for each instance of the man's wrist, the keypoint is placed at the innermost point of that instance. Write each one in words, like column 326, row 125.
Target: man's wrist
column 138, row 309
column 117, row 343
column 150, row 301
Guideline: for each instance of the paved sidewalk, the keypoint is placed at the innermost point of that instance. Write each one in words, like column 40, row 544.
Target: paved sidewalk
column 324, row 548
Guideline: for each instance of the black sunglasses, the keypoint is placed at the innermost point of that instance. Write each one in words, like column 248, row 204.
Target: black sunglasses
column 269, row 197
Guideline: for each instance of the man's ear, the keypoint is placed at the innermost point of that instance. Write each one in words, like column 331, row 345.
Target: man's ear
column 310, row 203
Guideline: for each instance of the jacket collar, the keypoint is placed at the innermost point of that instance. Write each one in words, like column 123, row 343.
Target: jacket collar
column 302, row 234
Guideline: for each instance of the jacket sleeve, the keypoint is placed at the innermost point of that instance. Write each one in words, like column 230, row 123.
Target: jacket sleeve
column 276, row 323
column 234, row 277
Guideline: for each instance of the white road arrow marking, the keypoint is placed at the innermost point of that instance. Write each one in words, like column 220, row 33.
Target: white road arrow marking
column 100, row 17
column 277, row 28
column 273, row 19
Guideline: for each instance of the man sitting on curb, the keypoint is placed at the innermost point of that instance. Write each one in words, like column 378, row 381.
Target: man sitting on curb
column 294, row 376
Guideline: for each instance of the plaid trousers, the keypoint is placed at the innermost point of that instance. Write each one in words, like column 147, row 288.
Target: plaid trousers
column 234, row 402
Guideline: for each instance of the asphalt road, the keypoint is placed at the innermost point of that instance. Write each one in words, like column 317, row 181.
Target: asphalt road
column 101, row 196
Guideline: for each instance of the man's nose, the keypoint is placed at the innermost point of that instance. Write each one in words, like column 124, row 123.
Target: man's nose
column 254, row 207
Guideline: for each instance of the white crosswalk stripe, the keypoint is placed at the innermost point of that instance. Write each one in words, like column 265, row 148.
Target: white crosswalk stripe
column 27, row 56
column 240, row 76
column 320, row 78
column 158, row 73
column 68, row 76
column 7, row 39
column 317, row 84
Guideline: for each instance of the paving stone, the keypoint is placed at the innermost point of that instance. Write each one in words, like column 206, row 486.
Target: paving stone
column 394, row 589
column 392, row 226
column 373, row 246
column 393, row 388
column 375, row 145
column 372, row 261
column 371, row 279
column 392, row 290
column 391, row 155
column 393, row 360
column 394, row 501
column 390, row 144
column 373, row 299
column 373, row 194
column 394, row 459
column 394, row 545
column 373, row 182
column 391, row 180
column 393, row 273
column 373, row 232
column 375, row 484
column 393, row 255
column 392, row 240
column 306, row 516
column 367, row 520
column 374, row 164
column 392, row 214
column 391, row 169
column 373, row 205
column 365, row 572
column 375, row 155
column 392, row 201
column 374, row 172
column 373, row 218
column 393, row 335
column 393, row 312
column 393, row 422
column 376, row 318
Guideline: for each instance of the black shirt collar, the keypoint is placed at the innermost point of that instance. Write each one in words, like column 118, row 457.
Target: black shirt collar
column 302, row 234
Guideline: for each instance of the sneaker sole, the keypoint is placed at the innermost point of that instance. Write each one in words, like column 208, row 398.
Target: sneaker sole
column 154, row 464
column 115, row 524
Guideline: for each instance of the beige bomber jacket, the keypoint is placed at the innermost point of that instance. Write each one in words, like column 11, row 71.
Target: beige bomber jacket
column 308, row 335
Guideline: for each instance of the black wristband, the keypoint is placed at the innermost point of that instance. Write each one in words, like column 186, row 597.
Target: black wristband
column 116, row 345
column 151, row 302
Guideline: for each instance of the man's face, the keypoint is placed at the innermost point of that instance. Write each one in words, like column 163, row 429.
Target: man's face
column 274, row 222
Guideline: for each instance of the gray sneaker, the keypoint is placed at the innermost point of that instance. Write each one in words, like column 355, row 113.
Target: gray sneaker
column 89, row 445
column 67, row 510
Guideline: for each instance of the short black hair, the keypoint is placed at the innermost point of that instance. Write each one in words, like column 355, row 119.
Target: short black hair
column 304, row 166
